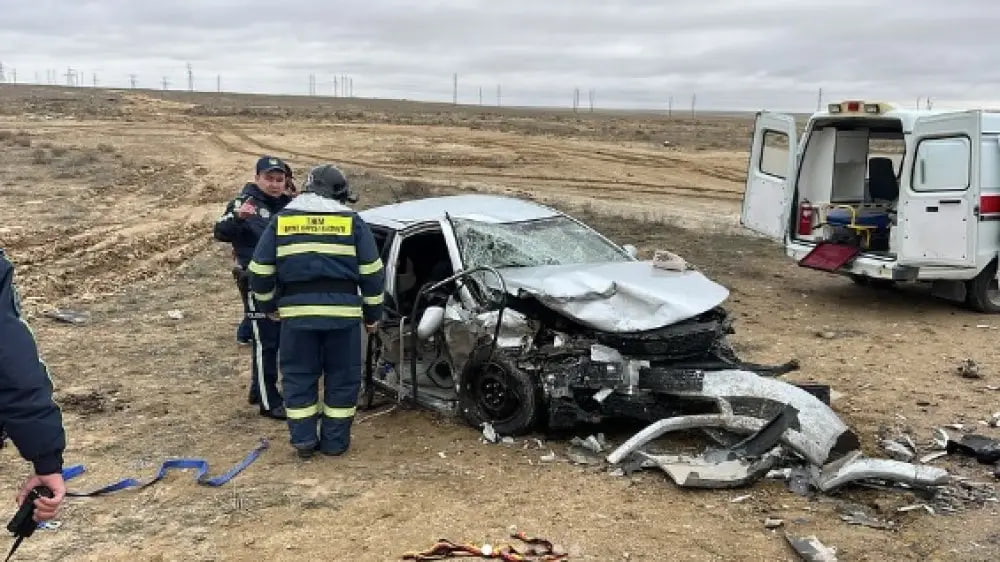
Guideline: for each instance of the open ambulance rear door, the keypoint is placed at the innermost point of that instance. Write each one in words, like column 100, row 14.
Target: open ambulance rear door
column 767, row 199
column 939, row 191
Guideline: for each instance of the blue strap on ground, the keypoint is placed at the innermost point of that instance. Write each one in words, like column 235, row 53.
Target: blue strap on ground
column 200, row 465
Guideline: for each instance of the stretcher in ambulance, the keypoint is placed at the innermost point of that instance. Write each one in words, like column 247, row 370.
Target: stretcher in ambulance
column 882, row 195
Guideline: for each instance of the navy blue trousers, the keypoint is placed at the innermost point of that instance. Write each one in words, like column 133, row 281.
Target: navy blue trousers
column 264, row 357
column 335, row 357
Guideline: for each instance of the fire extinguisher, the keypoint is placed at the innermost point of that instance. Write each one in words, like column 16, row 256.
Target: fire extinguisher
column 805, row 217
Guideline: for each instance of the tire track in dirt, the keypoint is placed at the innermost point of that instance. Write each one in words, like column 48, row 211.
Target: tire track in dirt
column 428, row 172
column 606, row 154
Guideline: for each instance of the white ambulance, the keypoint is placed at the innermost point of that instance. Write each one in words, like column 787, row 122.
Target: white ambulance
column 883, row 194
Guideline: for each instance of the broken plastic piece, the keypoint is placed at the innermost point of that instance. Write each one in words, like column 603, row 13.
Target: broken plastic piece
column 856, row 467
column 985, row 449
column 698, row 472
column 811, row 549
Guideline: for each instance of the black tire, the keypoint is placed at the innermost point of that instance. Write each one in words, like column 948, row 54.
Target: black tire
column 982, row 293
column 494, row 390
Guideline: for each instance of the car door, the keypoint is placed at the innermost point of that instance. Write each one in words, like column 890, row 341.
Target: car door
column 767, row 199
column 938, row 203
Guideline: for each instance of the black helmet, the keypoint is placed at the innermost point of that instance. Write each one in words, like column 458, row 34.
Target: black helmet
column 328, row 181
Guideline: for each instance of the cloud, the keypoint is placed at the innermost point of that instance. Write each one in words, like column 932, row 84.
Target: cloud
column 730, row 54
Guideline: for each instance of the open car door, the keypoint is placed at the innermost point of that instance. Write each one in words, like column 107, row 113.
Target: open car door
column 767, row 199
column 939, row 195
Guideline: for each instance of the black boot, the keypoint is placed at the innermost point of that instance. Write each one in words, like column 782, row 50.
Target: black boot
column 277, row 412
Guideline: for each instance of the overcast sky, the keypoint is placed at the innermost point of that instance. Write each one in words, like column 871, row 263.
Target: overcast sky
column 730, row 54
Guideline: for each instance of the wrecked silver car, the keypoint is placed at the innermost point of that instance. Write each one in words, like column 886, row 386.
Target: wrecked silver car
column 517, row 315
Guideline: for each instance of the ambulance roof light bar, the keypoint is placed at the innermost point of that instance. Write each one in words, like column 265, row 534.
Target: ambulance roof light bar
column 858, row 106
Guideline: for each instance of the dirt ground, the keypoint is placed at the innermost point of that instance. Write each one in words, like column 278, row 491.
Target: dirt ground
column 108, row 202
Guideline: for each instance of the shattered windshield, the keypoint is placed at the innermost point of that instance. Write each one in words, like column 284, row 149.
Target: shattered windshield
column 555, row 240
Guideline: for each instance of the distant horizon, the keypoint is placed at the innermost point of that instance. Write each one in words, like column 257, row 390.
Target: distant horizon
column 582, row 109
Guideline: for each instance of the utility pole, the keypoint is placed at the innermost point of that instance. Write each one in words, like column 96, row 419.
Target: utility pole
column 592, row 93
column 480, row 95
column 131, row 80
column 94, row 77
column 928, row 102
column 165, row 83
column 69, row 77
column 190, row 78
column 454, row 89
column 819, row 100
column 693, row 98
column 218, row 83
column 670, row 107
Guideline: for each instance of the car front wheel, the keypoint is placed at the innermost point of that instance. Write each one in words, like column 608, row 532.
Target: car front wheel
column 495, row 391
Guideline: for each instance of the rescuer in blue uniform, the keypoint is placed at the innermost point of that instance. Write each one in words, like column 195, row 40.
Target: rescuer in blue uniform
column 241, row 224
column 318, row 266
column 28, row 414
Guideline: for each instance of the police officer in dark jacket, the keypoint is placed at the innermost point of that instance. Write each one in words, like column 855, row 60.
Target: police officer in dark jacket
column 28, row 414
column 317, row 265
column 242, row 224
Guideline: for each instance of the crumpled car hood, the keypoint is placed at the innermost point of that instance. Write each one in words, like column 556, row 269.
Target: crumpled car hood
column 616, row 297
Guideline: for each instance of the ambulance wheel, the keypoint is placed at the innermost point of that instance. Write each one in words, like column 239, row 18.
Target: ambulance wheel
column 495, row 391
column 982, row 293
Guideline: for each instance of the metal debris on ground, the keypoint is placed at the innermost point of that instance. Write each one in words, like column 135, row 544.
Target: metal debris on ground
column 955, row 498
column 897, row 450
column 811, row 549
column 537, row 550
column 68, row 316
column 805, row 436
column 856, row 515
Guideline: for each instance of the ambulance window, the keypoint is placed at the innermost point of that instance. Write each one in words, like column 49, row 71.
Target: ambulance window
column 887, row 145
column 774, row 154
column 942, row 164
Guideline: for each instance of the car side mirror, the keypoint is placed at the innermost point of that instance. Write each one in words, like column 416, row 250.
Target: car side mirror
column 631, row 250
column 430, row 322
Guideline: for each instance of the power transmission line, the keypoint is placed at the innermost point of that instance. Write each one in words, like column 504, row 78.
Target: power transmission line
column 190, row 78
column 131, row 80
column 165, row 82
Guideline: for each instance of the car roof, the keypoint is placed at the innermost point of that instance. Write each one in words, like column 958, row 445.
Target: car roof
column 486, row 208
